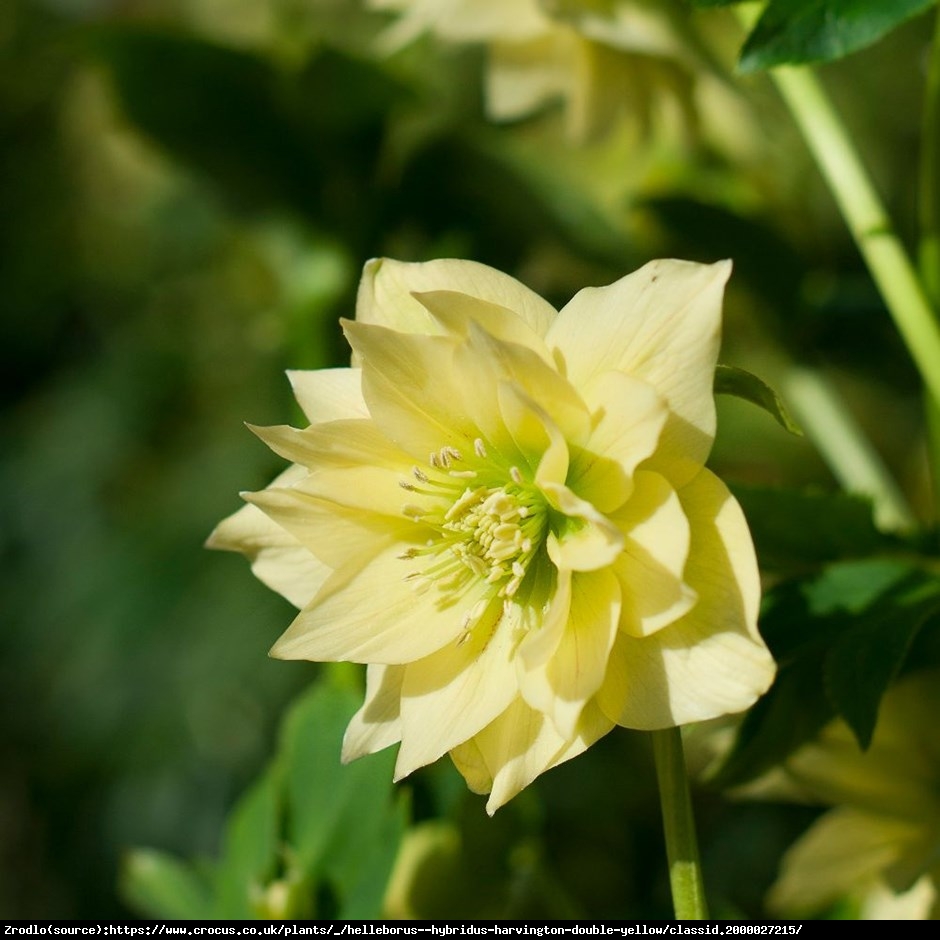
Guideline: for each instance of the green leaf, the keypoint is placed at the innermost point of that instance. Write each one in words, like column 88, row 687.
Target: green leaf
column 252, row 844
column 839, row 639
column 869, row 654
column 342, row 823
column 162, row 886
column 730, row 380
column 799, row 529
column 798, row 31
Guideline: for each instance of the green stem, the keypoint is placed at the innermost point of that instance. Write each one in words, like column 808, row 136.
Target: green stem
column 929, row 218
column 843, row 445
column 867, row 219
column 685, row 869
column 929, row 196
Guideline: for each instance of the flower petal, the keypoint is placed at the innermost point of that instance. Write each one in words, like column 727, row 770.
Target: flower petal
column 522, row 743
column 562, row 686
column 449, row 696
column 386, row 293
column 372, row 615
column 377, row 724
column 652, row 565
column 412, row 386
column 711, row 661
column 589, row 539
column 628, row 418
column 277, row 558
column 660, row 324
column 329, row 394
column 456, row 311
column 843, row 851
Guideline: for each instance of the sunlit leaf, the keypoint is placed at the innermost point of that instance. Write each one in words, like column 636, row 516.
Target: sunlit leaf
column 157, row 884
column 729, row 380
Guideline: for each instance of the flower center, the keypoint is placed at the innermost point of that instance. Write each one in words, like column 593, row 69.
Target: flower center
column 488, row 522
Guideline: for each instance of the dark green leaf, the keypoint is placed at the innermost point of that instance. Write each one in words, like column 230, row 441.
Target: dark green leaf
column 797, row 529
column 868, row 655
column 157, row 884
column 839, row 639
column 797, row 31
column 730, row 380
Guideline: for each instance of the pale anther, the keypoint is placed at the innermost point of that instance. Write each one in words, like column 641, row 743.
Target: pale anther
column 420, row 475
column 516, row 474
column 479, row 448
column 463, row 474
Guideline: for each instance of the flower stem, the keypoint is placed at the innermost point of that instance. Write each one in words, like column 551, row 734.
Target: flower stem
column 685, row 869
column 866, row 217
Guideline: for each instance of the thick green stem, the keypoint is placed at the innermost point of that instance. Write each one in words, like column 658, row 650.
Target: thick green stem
column 685, row 869
column 867, row 219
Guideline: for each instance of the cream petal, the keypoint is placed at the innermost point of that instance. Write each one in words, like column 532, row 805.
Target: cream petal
column 562, row 686
column 591, row 540
column 448, row 697
column 537, row 439
column 656, row 549
column 522, row 743
column 660, row 324
column 712, row 660
column 377, row 724
column 342, row 443
column 468, row 759
column 277, row 558
column 628, row 418
column 371, row 614
column 416, row 392
column 844, row 851
column 336, row 535
column 329, row 394
column 386, row 293
column 456, row 311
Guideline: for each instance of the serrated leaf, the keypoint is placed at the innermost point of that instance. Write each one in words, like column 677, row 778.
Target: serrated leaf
column 729, row 380
column 162, row 886
column 869, row 654
column 798, row 529
column 799, row 31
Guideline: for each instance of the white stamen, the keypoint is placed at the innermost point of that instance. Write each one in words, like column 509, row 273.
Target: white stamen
column 479, row 448
column 516, row 474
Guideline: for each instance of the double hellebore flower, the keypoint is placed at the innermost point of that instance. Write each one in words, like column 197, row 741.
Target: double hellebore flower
column 503, row 510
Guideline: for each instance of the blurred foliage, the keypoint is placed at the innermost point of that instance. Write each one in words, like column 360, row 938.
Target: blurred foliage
column 187, row 191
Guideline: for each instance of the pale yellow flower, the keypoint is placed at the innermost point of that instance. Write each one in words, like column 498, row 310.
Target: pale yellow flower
column 503, row 510
column 881, row 843
column 602, row 59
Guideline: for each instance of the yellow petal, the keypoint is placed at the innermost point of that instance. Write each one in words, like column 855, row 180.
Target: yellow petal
column 660, row 324
column 449, row 696
column 844, row 851
column 562, row 686
column 371, row 614
column 468, row 759
column 329, row 394
column 342, row 443
column 414, row 392
column 712, row 660
column 537, row 439
column 456, row 311
column 656, row 549
column 386, row 293
column 628, row 418
column 377, row 724
column 588, row 540
column 522, row 743
column 277, row 558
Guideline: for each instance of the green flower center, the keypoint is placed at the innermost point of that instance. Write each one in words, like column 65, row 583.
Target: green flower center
column 489, row 524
